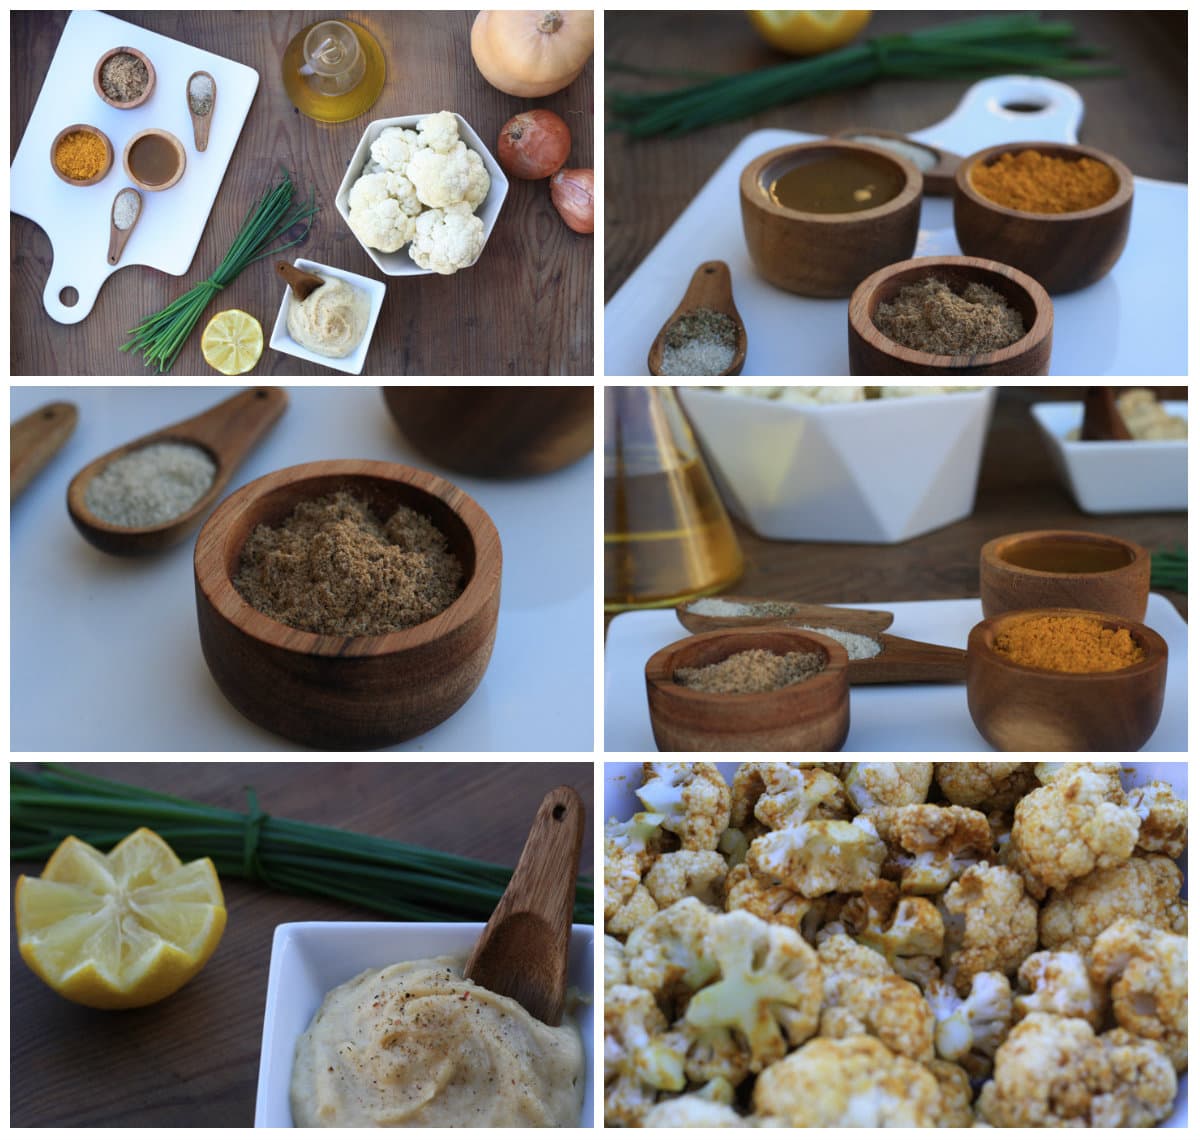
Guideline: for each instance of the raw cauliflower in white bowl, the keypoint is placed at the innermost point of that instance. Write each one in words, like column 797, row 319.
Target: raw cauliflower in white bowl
column 422, row 194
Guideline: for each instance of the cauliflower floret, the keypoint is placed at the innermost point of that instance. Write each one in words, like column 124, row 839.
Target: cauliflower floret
column 1071, row 827
column 447, row 240
column 641, row 836
column 908, row 932
column 734, row 845
column 693, row 799
column 819, row 857
column 637, row 909
column 708, row 1107
column 856, row 1082
column 1164, row 819
column 991, row 924
column 438, row 132
column 970, row 1030
column 957, row 1094
column 1054, row 1072
column 709, row 1054
column 479, row 182
column 376, row 217
column 440, row 180
column 400, row 188
column 768, row 992
column 1144, row 888
column 1147, row 969
column 863, row 994
column 781, row 795
column 637, row 1062
column 1056, row 981
column 1108, row 770
column 666, row 955
column 888, row 784
column 765, row 898
column 987, row 785
column 930, row 846
column 615, row 973
column 680, row 874
column 393, row 148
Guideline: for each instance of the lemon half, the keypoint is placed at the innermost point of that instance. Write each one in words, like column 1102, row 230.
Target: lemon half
column 232, row 342
column 120, row 930
column 807, row 32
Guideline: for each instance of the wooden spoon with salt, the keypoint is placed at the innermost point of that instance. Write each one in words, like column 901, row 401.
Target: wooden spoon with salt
column 118, row 237
column 201, row 124
column 522, row 952
column 302, row 282
column 711, row 288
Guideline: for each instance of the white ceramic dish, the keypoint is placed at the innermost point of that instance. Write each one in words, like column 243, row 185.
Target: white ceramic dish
column 883, row 718
column 871, row 471
column 400, row 264
column 308, row 959
column 281, row 339
column 1113, row 477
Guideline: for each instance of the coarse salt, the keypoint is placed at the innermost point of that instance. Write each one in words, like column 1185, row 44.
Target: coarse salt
column 152, row 485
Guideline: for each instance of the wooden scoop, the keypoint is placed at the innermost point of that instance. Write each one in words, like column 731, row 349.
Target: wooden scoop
column 201, row 124
column 118, row 237
column 522, row 952
column 227, row 432
column 869, row 622
column 34, row 440
column 1101, row 418
column 711, row 288
column 301, row 281
column 937, row 181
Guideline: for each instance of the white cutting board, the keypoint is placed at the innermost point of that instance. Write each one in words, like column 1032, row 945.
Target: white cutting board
column 1132, row 322
column 76, row 218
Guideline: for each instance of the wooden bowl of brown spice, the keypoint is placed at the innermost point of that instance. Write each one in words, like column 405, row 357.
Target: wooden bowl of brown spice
column 950, row 315
column 124, row 78
column 348, row 603
column 771, row 689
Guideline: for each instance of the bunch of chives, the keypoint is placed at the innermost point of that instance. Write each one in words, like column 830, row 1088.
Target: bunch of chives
column 395, row 879
column 1168, row 569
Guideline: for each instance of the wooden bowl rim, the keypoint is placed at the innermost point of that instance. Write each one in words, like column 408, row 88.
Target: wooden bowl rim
column 234, row 609
column 1120, row 197
column 990, row 553
column 979, row 644
column 864, row 327
column 179, row 149
column 152, row 78
column 753, row 193
column 108, row 154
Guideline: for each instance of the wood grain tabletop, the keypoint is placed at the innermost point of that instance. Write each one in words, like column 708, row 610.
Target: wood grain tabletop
column 192, row 1060
column 1140, row 116
column 524, row 309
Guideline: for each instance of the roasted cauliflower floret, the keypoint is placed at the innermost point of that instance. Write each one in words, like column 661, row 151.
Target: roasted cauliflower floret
column 765, row 898
column 780, row 795
column 991, row 924
column 820, row 857
column 667, row 955
column 1143, row 888
column 1163, row 816
column 1147, row 970
column 622, row 876
column 856, row 1082
column 641, row 836
column 969, row 1030
column 1070, row 827
column 615, row 973
column 908, row 932
column 707, row 1107
column 888, row 784
column 638, row 1064
column 1057, row 981
column 985, row 785
column 683, row 874
column 636, row 910
column 1108, row 770
column 957, row 1094
column 693, row 800
column 930, row 846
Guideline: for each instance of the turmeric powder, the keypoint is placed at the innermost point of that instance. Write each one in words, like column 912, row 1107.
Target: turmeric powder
column 80, row 155
column 1043, row 184
column 1068, row 644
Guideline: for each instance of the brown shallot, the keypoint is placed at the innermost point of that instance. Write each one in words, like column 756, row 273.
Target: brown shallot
column 571, row 193
column 533, row 144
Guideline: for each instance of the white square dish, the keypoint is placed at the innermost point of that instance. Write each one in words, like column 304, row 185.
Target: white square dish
column 1109, row 477
column 870, row 471
column 281, row 339
column 400, row 264
column 310, row 958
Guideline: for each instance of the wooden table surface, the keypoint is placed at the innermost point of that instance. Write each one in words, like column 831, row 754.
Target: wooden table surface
column 524, row 309
column 192, row 1060
column 1141, row 116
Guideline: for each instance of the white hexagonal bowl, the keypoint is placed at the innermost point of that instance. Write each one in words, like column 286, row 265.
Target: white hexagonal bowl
column 400, row 264
column 870, row 471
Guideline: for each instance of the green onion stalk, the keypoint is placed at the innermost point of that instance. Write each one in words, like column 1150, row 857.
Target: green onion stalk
column 964, row 49
column 161, row 337
column 1168, row 569
column 394, row 879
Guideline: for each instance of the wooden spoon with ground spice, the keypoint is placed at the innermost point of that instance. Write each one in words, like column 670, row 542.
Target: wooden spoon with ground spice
column 705, row 335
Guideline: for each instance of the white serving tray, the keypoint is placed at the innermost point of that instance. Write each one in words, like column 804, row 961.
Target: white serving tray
column 76, row 218
column 883, row 718
column 1133, row 322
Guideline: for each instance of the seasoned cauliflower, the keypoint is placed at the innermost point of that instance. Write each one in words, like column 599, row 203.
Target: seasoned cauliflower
column 394, row 147
column 680, row 874
column 986, row 785
column 615, row 973
column 1147, row 969
column 955, row 1085
column 930, row 846
column 969, row 1030
column 888, row 784
column 1057, row 981
column 637, row 909
column 819, row 857
column 447, row 240
column 765, row 898
column 908, row 932
column 378, row 218
column 438, row 132
column 667, row 956
column 693, row 800
column 637, row 1062
column 781, row 795
column 991, row 924
column 1163, row 814
column 708, row 1107
column 640, row 836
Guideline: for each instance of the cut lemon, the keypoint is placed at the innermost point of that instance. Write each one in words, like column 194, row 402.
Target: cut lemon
column 808, row 33
column 119, row 930
column 232, row 342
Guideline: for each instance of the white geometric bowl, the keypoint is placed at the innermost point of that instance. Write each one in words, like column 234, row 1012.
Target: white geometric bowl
column 871, row 471
column 400, row 264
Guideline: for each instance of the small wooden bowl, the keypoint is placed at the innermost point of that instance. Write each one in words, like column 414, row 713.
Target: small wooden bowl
column 347, row 692
column 813, row 716
column 1006, row 584
column 88, row 129
column 180, row 153
column 1063, row 251
column 937, row 181
column 826, row 255
column 1019, row 709
column 874, row 354
column 150, row 80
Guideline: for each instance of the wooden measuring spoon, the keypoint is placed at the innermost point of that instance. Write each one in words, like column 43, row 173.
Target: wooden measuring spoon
column 34, row 440
column 869, row 622
column 1101, row 417
column 201, row 124
column 938, row 180
column 522, row 952
column 302, row 282
column 900, row 661
column 227, row 432
column 118, row 237
column 711, row 288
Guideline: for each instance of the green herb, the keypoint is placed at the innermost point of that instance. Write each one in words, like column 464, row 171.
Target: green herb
column 1168, row 569
column 160, row 338
column 965, row 49
column 395, row 879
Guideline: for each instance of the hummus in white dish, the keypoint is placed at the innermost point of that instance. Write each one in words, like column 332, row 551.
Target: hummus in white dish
column 416, row 1046
column 331, row 320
